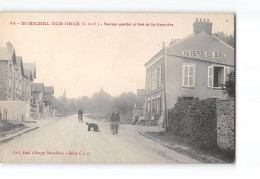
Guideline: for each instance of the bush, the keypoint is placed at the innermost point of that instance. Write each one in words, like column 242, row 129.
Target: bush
column 9, row 125
column 195, row 121
column 230, row 84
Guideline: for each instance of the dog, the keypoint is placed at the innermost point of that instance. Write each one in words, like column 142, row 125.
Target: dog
column 94, row 126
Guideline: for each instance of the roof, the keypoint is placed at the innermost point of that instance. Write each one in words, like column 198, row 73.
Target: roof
column 157, row 55
column 39, row 87
column 204, row 42
column 27, row 73
column 7, row 53
column 19, row 63
column 29, row 70
column 49, row 89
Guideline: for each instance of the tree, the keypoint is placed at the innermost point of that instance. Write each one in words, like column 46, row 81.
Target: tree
column 125, row 102
column 229, row 39
column 101, row 102
column 230, row 84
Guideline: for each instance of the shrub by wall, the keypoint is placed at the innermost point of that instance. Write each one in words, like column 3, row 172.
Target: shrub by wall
column 195, row 121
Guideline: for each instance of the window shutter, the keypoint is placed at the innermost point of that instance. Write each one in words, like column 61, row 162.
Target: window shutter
column 185, row 75
column 226, row 71
column 210, row 76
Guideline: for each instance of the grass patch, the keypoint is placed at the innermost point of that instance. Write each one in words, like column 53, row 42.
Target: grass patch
column 216, row 152
column 9, row 125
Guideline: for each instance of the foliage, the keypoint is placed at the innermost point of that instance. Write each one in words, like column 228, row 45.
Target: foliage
column 100, row 102
column 230, row 84
column 194, row 121
column 124, row 102
column 229, row 39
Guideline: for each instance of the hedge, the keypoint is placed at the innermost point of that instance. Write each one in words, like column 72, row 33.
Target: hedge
column 195, row 121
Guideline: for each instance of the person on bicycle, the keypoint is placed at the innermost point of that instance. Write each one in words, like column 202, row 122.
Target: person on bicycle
column 115, row 119
column 80, row 115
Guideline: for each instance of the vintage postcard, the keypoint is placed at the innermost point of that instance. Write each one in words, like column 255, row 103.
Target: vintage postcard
column 117, row 88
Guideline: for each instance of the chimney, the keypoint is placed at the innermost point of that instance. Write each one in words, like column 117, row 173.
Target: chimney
column 199, row 26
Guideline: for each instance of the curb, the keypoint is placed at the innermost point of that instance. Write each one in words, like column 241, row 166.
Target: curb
column 188, row 152
column 18, row 135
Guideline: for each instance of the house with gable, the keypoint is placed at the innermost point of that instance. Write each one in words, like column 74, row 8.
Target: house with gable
column 195, row 67
column 7, row 72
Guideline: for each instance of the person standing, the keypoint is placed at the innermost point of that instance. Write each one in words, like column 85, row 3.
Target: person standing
column 80, row 115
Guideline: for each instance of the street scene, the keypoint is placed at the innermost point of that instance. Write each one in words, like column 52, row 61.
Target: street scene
column 70, row 136
column 157, row 89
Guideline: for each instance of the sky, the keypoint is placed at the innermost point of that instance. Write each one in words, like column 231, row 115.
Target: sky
column 83, row 59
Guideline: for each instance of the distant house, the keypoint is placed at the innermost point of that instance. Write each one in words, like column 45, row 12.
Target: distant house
column 7, row 72
column 48, row 94
column 38, row 98
column 29, row 76
column 193, row 67
column 138, row 106
column 47, row 99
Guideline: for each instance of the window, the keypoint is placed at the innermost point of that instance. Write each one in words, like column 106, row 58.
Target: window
column 159, row 77
column 158, row 111
column 188, row 75
column 217, row 76
column 149, row 82
column 154, row 79
column 187, row 98
column 149, row 107
column 153, row 106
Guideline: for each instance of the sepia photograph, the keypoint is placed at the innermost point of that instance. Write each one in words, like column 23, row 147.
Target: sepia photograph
column 117, row 88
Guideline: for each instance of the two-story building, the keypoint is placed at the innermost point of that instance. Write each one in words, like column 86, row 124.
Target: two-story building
column 193, row 67
column 7, row 72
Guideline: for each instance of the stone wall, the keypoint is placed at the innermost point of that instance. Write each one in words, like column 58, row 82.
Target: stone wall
column 15, row 110
column 225, row 124
column 3, row 80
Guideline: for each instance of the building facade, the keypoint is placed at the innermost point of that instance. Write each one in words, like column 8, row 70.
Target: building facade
column 47, row 99
column 30, row 75
column 20, row 97
column 38, row 98
column 7, row 72
column 195, row 67
column 18, row 79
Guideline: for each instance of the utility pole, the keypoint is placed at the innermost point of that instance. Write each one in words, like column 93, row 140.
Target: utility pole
column 164, row 88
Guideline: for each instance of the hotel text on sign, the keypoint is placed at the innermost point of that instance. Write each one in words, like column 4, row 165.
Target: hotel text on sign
column 204, row 54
